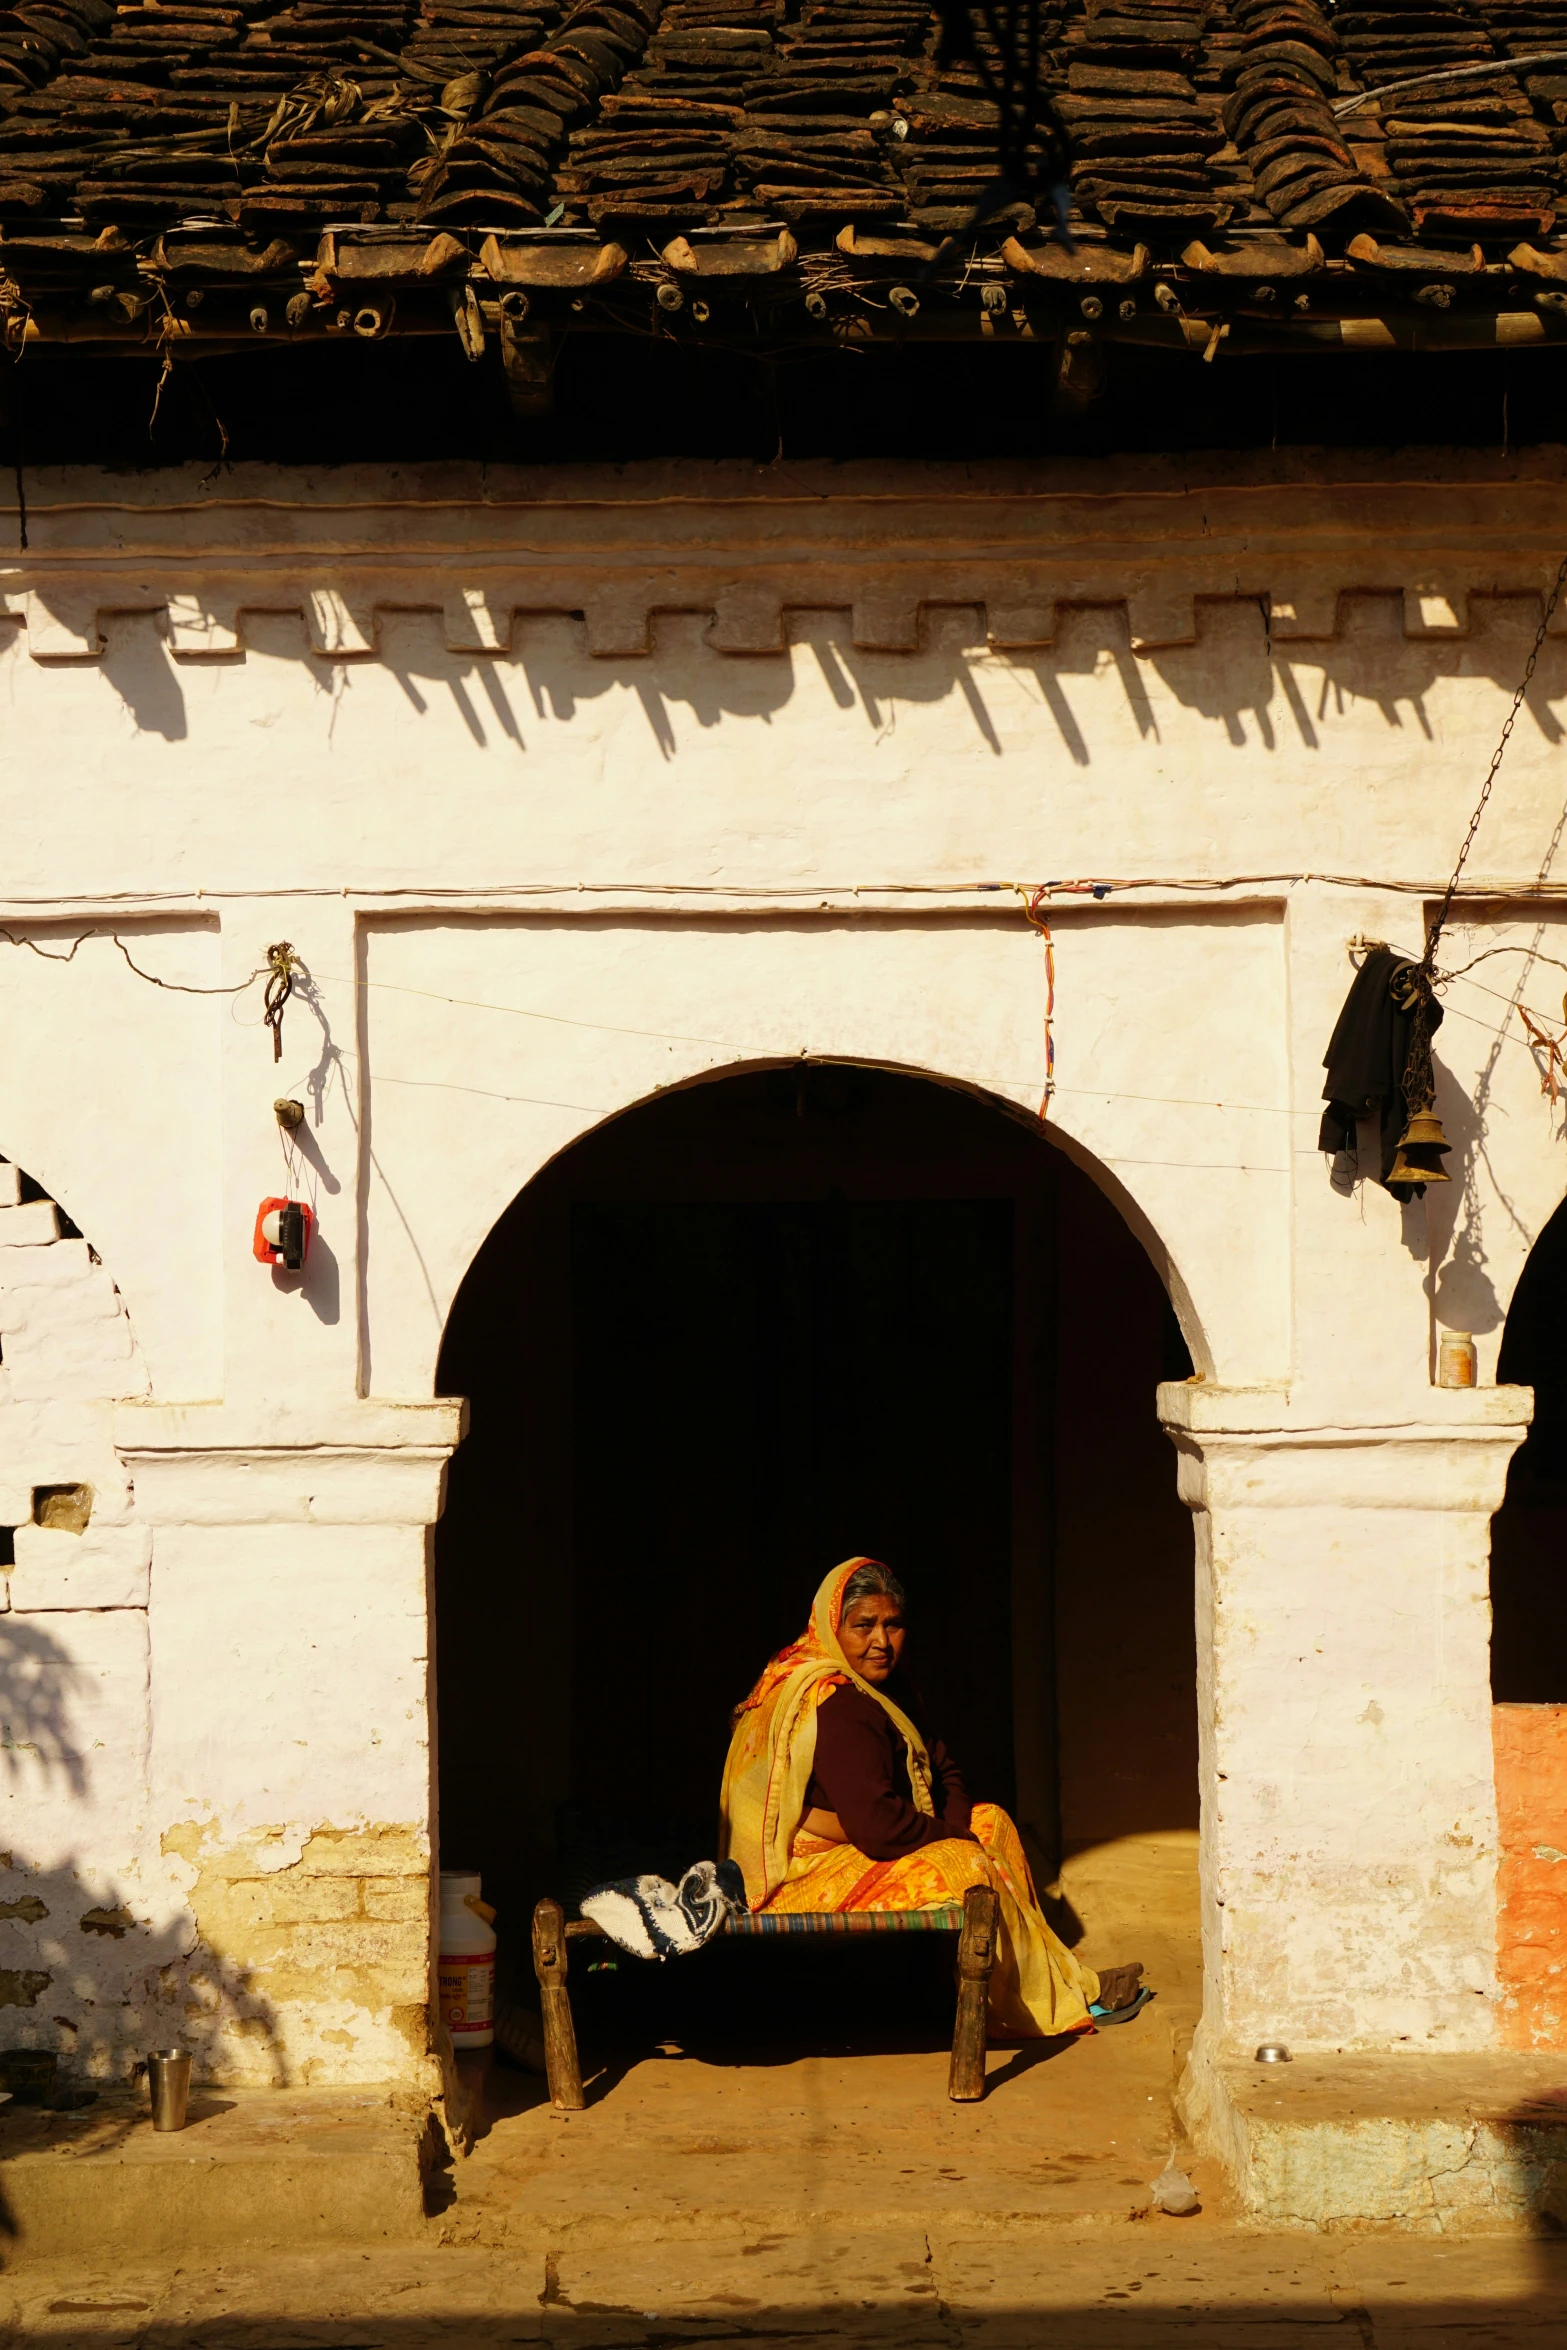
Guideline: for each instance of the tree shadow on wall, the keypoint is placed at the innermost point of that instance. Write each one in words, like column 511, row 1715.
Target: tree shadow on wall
column 1235, row 672
column 95, row 1968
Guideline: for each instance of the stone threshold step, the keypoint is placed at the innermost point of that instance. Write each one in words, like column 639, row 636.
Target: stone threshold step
column 527, row 2234
column 272, row 2169
column 1445, row 2144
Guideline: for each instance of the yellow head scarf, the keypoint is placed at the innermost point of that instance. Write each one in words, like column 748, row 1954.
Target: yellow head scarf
column 774, row 1745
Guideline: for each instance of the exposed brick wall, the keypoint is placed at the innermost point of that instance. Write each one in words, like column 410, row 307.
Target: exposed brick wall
column 342, row 1930
column 1531, row 1891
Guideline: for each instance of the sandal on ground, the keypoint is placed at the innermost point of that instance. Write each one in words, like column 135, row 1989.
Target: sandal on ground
column 1122, row 2015
column 1120, row 1992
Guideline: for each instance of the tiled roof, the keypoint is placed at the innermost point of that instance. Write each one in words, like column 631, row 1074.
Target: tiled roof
column 247, row 130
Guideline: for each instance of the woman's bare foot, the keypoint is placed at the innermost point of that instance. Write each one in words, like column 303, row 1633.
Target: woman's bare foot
column 1118, row 1985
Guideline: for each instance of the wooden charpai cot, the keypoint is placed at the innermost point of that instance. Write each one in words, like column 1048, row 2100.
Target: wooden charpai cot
column 974, row 1925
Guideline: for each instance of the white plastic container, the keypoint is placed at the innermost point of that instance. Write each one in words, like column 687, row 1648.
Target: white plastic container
column 1457, row 1364
column 466, row 1964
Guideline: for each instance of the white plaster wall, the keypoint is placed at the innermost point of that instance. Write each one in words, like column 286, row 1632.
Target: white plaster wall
column 828, row 762
column 535, row 884
column 505, row 1041
column 216, row 1788
column 73, row 1644
column 1508, row 1164
column 1377, row 1282
column 1350, row 1817
column 324, row 1626
column 109, row 1083
column 76, row 1805
column 289, row 1721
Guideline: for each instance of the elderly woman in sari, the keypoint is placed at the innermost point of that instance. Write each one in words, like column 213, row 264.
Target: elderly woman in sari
column 834, row 1800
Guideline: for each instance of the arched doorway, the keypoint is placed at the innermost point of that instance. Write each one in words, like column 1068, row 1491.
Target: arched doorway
column 750, row 1328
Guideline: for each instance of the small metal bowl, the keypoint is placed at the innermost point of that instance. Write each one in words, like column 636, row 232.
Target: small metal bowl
column 1274, row 2052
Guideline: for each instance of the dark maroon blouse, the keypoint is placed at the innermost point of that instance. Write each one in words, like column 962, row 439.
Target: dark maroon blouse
column 861, row 1772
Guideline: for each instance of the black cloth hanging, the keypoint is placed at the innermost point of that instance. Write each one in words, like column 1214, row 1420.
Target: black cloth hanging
column 1367, row 1056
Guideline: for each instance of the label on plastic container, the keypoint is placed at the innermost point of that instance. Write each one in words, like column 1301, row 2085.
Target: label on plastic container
column 467, row 1994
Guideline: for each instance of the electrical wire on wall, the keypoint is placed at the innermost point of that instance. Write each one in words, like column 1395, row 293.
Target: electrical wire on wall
column 1033, row 901
column 301, row 1175
column 173, row 986
column 758, row 1049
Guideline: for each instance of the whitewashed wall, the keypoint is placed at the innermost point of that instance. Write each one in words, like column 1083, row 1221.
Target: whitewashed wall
column 547, row 847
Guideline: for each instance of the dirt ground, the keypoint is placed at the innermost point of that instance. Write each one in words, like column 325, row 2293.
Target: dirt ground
column 725, row 2194
column 716, row 2128
column 1128, row 2286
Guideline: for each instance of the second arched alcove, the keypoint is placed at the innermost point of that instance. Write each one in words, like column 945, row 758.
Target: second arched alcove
column 1529, row 1531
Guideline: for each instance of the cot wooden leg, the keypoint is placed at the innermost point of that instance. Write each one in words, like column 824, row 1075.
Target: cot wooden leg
column 976, row 1956
column 561, row 2065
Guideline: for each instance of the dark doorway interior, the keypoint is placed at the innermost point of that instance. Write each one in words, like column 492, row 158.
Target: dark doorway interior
column 741, row 1333
column 1529, row 1531
column 768, row 1386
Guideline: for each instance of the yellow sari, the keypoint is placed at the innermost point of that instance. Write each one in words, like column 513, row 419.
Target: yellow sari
column 1037, row 1987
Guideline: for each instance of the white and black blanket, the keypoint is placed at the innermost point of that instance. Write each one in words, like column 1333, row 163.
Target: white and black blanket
column 654, row 1919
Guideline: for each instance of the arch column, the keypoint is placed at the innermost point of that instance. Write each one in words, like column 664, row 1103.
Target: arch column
column 1349, row 1815
column 291, row 1726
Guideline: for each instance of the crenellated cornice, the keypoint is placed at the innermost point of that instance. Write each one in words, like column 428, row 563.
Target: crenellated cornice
column 747, row 545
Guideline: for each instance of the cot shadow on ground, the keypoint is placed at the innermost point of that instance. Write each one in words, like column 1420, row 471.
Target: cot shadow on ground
column 752, row 2005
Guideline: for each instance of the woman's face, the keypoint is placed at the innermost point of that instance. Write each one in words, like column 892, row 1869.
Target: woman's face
column 871, row 1635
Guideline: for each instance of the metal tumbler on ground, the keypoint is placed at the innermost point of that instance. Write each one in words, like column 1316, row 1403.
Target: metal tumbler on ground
column 168, row 2079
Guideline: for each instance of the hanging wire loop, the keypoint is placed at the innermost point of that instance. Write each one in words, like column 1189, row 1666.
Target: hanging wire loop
column 283, row 965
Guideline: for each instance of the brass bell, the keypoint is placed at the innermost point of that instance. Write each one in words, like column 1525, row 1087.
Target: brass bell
column 1424, row 1132
column 1404, row 1171
column 1419, row 1155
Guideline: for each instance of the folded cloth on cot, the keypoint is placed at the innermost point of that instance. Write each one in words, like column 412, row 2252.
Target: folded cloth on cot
column 651, row 1918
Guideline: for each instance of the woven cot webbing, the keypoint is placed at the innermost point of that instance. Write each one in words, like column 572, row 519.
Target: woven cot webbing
column 848, row 1921
column 816, row 1921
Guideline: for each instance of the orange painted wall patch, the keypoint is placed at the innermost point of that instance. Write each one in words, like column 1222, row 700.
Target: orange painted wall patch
column 1530, row 1743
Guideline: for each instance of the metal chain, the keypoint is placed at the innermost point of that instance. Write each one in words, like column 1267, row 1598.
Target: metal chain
column 1428, row 959
column 1419, row 1079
